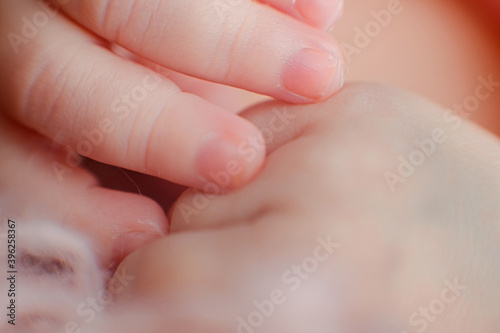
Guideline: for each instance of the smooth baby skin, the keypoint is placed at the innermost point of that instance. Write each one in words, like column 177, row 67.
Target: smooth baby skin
column 94, row 75
column 322, row 235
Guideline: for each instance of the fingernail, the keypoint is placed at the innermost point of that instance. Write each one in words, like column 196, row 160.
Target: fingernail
column 314, row 75
column 338, row 12
column 221, row 164
column 126, row 243
column 321, row 13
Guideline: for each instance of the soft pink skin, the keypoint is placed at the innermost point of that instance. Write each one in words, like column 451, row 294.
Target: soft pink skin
column 396, row 251
column 65, row 79
column 318, row 13
column 396, row 248
column 84, row 199
column 31, row 192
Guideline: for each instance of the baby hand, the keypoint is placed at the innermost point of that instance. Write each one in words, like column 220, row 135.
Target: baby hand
column 67, row 76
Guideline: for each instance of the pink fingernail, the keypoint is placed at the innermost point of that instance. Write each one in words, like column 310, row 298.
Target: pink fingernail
column 314, row 75
column 338, row 12
column 220, row 163
column 321, row 13
column 126, row 243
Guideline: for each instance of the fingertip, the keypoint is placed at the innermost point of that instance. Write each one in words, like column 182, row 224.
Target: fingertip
column 187, row 213
column 322, row 14
column 313, row 75
column 127, row 242
column 227, row 161
column 120, row 222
